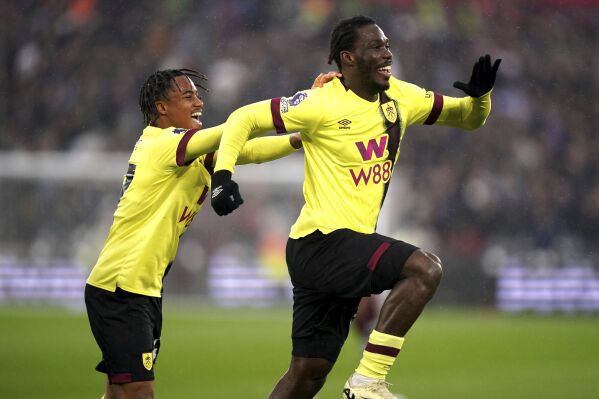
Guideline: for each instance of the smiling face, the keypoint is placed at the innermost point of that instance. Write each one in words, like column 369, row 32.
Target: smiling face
column 373, row 58
column 182, row 108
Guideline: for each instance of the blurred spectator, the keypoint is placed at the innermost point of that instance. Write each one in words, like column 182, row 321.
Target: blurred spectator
column 70, row 76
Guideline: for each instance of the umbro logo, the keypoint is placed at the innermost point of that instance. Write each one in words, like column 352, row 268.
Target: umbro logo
column 347, row 393
column 344, row 124
column 217, row 191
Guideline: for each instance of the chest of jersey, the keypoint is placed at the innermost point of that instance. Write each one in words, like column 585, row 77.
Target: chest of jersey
column 355, row 135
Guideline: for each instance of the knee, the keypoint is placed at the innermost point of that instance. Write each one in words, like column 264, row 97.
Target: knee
column 133, row 390
column 313, row 369
column 428, row 269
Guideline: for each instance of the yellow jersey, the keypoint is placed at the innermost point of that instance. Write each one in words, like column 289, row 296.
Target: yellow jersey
column 161, row 195
column 350, row 144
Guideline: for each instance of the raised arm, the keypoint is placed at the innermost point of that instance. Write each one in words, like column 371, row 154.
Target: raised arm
column 203, row 142
column 466, row 113
column 281, row 114
column 244, row 123
column 471, row 112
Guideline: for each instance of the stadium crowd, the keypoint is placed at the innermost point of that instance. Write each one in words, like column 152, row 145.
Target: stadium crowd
column 71, row 72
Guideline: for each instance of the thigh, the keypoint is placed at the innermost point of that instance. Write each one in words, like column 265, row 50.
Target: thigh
column 138, row 389
column 390, row 265
column 346, row 263
column 127, row 328
column 320, row 323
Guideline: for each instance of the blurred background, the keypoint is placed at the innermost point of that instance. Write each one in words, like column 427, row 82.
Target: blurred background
column 512, row 208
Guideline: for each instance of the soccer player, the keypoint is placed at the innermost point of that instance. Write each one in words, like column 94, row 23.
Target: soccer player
column 165, row 186
column 351, row 130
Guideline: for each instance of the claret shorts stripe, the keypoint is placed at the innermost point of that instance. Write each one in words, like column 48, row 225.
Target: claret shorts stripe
column 330, row 274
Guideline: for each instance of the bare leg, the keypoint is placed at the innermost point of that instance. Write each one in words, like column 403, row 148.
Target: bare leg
column 132, row 390
column 421, row 276
column 303, row 380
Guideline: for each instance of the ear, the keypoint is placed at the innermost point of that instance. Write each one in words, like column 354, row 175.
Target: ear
column 347, row 58
column 160, row 107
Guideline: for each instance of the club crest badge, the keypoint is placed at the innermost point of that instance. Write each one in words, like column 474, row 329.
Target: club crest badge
column 147, row 360
column 390, row 111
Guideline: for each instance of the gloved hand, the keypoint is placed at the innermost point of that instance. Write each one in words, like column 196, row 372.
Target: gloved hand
column 225, row 197
column 482, row 79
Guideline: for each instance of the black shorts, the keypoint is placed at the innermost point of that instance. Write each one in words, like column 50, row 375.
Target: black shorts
column 127, row 328
column 330, row 273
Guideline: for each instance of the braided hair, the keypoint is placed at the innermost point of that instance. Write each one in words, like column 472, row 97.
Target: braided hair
column 344, row 36
column 156, row 88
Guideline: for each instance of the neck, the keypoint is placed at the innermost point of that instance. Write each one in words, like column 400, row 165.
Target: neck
column 355, row 84
column 161, row 123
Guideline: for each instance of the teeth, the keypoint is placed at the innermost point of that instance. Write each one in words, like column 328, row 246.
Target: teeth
column 385, row 69
column 196, row 114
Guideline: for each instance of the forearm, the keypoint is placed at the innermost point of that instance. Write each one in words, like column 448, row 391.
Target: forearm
column 467, row 113
column 265, row 149
column 244, row 123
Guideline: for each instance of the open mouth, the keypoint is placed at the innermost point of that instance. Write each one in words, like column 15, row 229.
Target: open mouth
column 196, row 115
column 385, row 71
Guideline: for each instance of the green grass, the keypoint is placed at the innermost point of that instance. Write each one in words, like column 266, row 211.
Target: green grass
column 221, row 353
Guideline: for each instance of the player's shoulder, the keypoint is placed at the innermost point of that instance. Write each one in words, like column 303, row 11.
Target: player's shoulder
column 154, row 139
column 160, row 135
column 402, row 88
column 308, row 100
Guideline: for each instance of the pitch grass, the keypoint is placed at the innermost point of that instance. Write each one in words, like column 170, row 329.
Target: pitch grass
column 240, row 353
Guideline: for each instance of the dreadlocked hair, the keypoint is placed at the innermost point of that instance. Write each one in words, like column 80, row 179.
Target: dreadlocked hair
column 344, row 36
column 156, row 88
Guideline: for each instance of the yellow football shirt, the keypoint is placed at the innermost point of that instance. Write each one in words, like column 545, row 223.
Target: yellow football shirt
column 161, row 197
column 347, row 144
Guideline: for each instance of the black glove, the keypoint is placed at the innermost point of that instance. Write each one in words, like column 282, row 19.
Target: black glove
column 225, row 193
column 482, row 79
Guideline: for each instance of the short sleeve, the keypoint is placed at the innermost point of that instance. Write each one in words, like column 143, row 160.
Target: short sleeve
column 169, row 150
column 297, row 113
column 422, row 106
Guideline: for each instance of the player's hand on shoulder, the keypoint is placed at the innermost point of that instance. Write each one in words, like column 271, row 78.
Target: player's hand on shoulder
column 295, row 139
column 482, row 79
column 325, row 78
column 225, row 197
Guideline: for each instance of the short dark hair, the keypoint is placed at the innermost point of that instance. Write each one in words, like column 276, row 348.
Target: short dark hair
column 344, row 34
column 156, row 88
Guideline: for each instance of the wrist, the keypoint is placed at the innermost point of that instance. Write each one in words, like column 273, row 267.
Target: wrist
column 222, row 175
column 485, row 96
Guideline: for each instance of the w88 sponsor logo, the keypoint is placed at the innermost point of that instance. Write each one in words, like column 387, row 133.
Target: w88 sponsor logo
column 376, row 174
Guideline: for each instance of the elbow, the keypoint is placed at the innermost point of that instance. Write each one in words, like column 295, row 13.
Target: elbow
column 236, row 116
column 475, row 124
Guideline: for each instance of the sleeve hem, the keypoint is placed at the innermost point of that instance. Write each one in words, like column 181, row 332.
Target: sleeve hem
column 182, row 147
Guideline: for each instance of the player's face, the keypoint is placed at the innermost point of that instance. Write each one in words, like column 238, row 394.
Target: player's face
column 184, row 106
column 373, row 57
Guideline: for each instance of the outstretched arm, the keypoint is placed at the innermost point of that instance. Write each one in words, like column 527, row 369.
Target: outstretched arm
column 246, row 122
column 466, row 113
column 250, row 121
column 472, row 112
column 203, row 142
column 266, row 149
column 242, row 125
